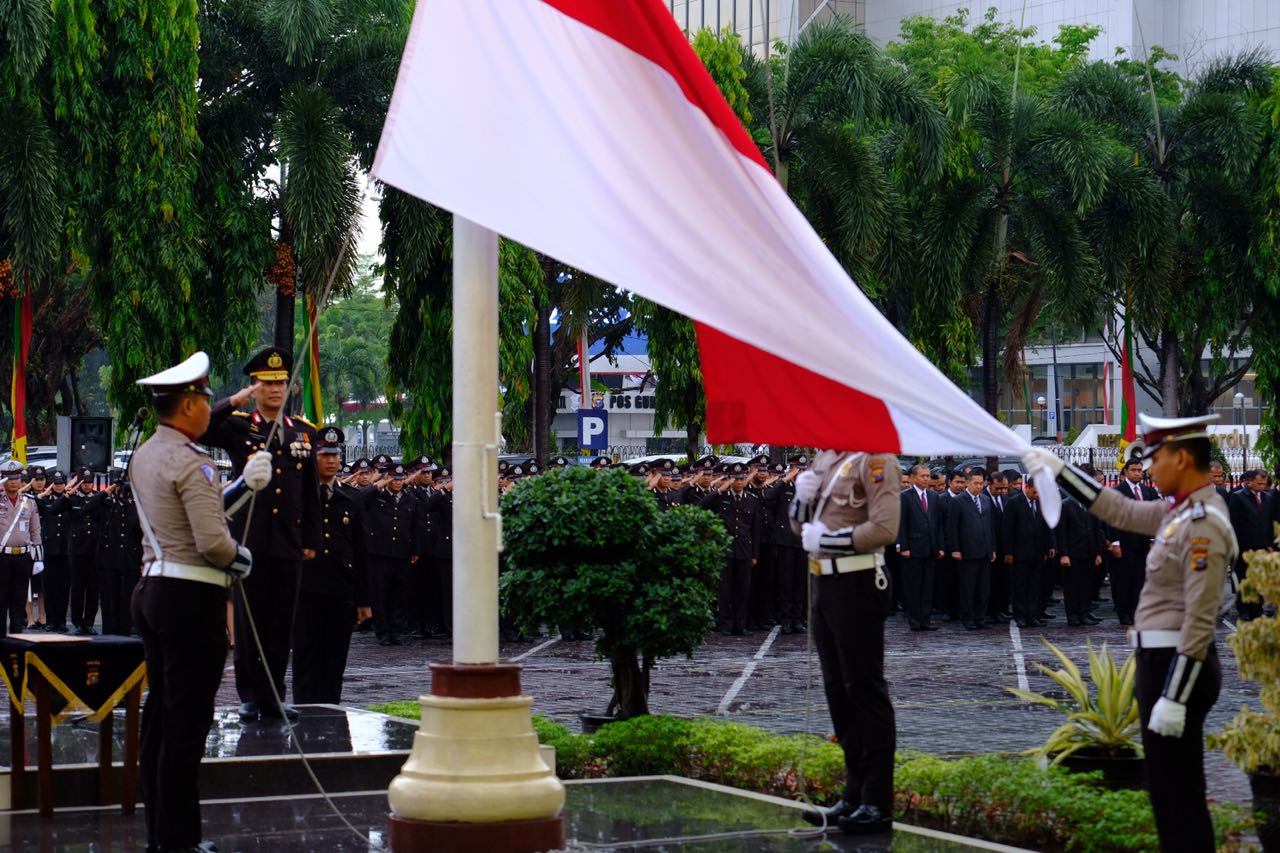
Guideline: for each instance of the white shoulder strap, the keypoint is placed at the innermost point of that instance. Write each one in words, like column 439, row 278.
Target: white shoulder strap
column 1224, row 525
column 17, row 514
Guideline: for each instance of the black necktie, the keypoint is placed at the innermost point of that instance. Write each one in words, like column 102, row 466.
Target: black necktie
column 977, row 504
column 1033, row 508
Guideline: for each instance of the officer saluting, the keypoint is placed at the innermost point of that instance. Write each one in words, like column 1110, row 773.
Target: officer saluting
column 179, row 605
column 284, row 530
column 1178, row 676
column 846, row 510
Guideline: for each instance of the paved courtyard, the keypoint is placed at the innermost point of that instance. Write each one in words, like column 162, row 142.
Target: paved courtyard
column 948, row 685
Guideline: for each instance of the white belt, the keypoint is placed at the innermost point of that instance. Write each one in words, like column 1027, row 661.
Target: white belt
column 13, row 550
column 1153, row 639
column 187, row 572
column 852, row 563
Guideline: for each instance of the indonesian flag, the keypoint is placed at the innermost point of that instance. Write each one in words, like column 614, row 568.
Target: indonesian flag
column 591, row 132
column 18, row 380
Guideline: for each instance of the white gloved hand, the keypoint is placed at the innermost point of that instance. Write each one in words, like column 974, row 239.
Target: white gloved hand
column 811, row 536
column 1168, row 718
column 1037, row 458
column 257, row 471
column 37, row 567
column 807, row 486
column 242, row 564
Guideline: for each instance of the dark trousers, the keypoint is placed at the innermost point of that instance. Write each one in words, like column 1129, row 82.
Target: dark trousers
column 1246, row 609
column 182, row 624
column 893, row 565
column 1077, row 586
column 974, row 578
column 1001, row 588
column 848, row 630
column 790, row 573
column 57, row 589
column 735, row 591
column 946, row 596
column 761, row 603
column 15, row 575
column 321, row 639
column 392, row 580
column 116, row 587
column 1127, row 576
column 1025, row 578
column 84, row 591
column 270, row 595
column 917, row 589
column 1175, row 765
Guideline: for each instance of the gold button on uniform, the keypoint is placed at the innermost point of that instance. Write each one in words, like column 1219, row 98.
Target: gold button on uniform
column 275, row 510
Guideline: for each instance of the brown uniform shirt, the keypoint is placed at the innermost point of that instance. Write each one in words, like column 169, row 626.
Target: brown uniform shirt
column 176, row 487
column 1187, row 565
column 26, row 530
column 858, row 500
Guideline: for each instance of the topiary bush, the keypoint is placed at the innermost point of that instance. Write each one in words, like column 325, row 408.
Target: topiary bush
column 589, row 547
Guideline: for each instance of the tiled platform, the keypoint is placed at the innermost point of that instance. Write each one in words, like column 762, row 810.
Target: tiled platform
column 653, row 814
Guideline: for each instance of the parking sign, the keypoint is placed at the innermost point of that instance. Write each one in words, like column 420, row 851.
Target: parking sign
column 593, row 429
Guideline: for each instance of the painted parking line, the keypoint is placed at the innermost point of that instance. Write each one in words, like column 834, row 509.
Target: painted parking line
column 1018, row 659
column 533, row 651
column 723, row 707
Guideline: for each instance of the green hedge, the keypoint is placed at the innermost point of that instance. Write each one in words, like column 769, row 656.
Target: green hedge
column 1008, row 800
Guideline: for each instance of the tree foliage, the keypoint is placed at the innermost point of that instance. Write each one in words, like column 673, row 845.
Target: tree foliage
column 592, row 548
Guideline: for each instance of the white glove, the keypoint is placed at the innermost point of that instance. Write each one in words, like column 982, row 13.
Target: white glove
column 807, row 486
column 811, row 536
column 37, row 567
column 242, row 564
column 1038, row 458
column 1168, row 718
column 257, row 471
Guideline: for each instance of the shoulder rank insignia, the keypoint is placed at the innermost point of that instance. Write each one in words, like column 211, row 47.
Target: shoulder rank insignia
column 1197, row 510
column 1199, row 553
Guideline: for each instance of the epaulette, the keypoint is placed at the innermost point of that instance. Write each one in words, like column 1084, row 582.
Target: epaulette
column 303, row 420
column 1197, row 510
column 240, row 414
column 200, row 451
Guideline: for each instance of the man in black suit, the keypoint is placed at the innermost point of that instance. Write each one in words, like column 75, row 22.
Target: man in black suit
column 971, row 534
column 1252, row 516
column 920, row 542
column 1027, row 542
column 1128, row 569
column 1080, row 546
column 946, row 593
column 998, row 609
column 1219, row 478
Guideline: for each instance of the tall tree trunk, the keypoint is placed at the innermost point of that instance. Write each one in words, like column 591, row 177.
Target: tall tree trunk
column 692, row 429
column 542, row 403
column 1170, row 362
column 990, row 352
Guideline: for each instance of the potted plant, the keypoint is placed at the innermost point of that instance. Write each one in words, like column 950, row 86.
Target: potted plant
column 592, row 548
column 1252, row 740
column 1102, row 728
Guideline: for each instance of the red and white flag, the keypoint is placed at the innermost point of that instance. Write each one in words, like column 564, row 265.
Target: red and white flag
column 590, row 131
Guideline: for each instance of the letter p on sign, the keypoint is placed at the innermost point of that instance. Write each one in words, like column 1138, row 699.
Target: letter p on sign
column 593, row 429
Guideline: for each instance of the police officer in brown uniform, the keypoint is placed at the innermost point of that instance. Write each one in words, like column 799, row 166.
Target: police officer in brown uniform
column 846, row 509
column 20, row 549
column 283, row 532
column 179, row 605
column 1178, row 675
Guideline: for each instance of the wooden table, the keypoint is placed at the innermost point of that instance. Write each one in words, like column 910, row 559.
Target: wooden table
column 35, row 684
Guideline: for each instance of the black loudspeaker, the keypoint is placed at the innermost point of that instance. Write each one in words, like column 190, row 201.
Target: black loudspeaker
column 85, row 443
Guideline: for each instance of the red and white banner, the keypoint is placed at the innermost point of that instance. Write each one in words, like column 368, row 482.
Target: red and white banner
column 591, row 132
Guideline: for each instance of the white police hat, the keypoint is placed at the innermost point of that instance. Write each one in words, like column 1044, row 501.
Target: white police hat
column 190, row 377
column 1158, row 431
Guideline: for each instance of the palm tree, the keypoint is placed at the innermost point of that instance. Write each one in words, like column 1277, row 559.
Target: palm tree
column 299, row 88
column 1204, row 149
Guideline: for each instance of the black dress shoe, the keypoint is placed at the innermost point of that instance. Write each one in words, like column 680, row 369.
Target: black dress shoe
column 799, row 627
column 971, row 626
column 1022, row 623
column 828, row 816
column 867, row 820
column 1092, row 620
column 1074, row 623
column 384, row 640
column 928, row 627
column 786, row 629
column 290, row 712
column 1126, row 620
column 249, row 711
column 1036, row 623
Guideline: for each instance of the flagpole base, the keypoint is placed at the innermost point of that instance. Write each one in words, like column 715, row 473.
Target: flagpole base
column 475, row 778
column 515, row 836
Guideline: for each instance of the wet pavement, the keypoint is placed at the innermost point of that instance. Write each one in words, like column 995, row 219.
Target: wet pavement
column 600, row 815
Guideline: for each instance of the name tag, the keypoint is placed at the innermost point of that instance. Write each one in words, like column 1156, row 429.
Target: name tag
column 22, row 525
